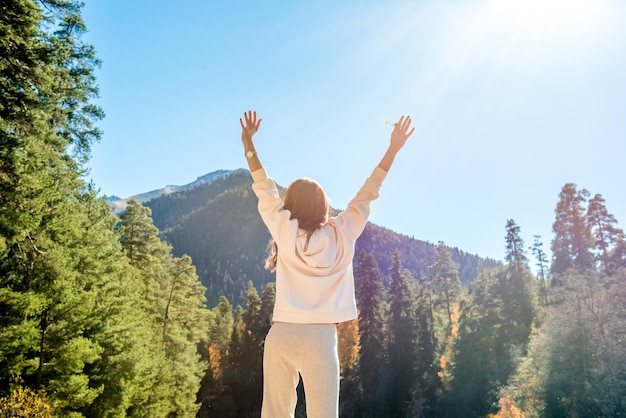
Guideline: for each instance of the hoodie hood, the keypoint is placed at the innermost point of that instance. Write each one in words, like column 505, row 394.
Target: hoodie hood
column 320, row 250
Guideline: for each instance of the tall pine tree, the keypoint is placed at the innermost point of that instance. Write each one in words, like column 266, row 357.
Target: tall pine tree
column 369, row 292
column 402, row 339
column 607, row 237
column 571, row 246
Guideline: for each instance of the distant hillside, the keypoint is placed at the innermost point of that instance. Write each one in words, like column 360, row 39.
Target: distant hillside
column 218, row 225
column 119, row 204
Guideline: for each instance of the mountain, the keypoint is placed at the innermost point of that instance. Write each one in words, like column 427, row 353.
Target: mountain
column 119, row 204
column 215, row 221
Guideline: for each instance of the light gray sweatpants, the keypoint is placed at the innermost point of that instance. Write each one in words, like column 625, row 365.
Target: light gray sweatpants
column 311, row 350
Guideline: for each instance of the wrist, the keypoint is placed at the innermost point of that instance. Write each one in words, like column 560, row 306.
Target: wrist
column 392, row 150
column 247, row 143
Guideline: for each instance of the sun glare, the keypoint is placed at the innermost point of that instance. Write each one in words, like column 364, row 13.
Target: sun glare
column 568, row 15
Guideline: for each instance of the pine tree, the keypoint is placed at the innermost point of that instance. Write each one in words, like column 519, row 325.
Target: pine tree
column 446, row 278
column 61, row 274
column 494, row 326
column 235, row 373
column 173, row 301
column 515, row 252
column 402, row 338
column 251, row 361
column 606, row 235
column 427, row 383
column 212, row 386
column 542, row 269
column 348, row 350
column 571, row 246
column 185, row 323
column 369, row 294
column 268, row 297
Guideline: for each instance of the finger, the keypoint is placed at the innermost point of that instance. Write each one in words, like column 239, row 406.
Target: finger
column 258, row 123
column 241, row 123
column 399, row 123
column 407, row 123
column 410, row 132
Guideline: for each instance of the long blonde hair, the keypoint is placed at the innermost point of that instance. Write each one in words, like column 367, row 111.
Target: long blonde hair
column 308, row 204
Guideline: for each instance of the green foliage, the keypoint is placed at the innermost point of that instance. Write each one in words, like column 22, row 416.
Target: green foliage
column 493, row 332
column 515, row 252
column 608, row 239
column 445, row 282
column 74, row 320
column 402, row 339
column 427, row 384
column 542, row 268
column 174, row 302
column 575, row 366
column 101, row 321
column 370, row 294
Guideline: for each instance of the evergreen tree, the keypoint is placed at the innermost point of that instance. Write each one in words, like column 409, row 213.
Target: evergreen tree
column 571, row 246
column 515, row 253
column 174, row 303
column 542, row 269
column 185, row 323
column 427, row 383
column 606, row 235
column 493, row 332
column 446, row 279
column 369, row 294
column 576, row 361
column 402, row 339
column 212, row 386
column 494, row 329
column 235, row 374
column 69, row 325
column 251, row 361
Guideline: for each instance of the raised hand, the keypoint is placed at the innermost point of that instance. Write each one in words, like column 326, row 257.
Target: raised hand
column 401, row 132
column 250, row 127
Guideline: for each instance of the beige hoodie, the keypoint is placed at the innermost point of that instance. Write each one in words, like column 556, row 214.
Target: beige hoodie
column 314, row 282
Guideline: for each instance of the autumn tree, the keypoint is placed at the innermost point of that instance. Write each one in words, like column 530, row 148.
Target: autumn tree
column 212, row 386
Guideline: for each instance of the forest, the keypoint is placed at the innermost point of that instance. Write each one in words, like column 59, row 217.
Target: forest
column 112, row 316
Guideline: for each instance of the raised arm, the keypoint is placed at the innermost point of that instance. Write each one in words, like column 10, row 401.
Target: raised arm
column 248, row 129
column 400, row 134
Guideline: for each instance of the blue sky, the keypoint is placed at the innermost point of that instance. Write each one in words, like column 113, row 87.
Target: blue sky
column 511, row 99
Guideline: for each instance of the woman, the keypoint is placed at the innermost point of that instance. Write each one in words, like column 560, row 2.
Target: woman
column 312, row 256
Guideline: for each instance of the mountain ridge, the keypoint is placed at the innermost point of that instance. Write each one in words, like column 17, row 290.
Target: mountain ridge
column 216, row 223
column 119, row 204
